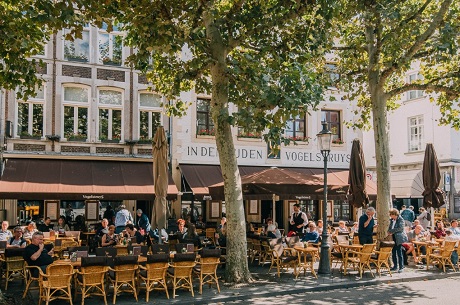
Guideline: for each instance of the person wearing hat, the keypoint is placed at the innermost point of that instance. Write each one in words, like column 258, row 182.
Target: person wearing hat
column 122, row 218
column 298, row 219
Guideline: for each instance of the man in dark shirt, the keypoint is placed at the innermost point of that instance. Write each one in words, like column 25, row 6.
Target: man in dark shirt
column 366, row 226
column 46, row 226
column 36, row 254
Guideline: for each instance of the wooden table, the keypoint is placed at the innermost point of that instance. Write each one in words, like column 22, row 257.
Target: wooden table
column 345, row 249
column 429, row 245
column 306, row 262
column 77, row 263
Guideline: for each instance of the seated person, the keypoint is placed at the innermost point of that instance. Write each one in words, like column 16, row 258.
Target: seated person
column 272, row 229
column 311, row 235
column 17, row 241
column 355, row 227
column 342, row 228
column 416, row 234
column 181, row 228
column 5, row 234
column 221, row 233
column 110, row 239
column 440, row 232
column 46, row 226
column 415, row 223
column 36, row 254
column 131, row 232
column 199, row 223
column 30, row 230
column 191, row 236
column 104, row 229
column 319, row 227
column 62, row 225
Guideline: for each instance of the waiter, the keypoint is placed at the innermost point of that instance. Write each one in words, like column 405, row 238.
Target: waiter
column 298, row 219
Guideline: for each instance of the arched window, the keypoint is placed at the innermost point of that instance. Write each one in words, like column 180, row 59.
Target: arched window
column 75, row 113
column 110, row 106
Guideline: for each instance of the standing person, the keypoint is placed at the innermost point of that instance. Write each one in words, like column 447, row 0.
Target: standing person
column 298, row 219
column 68, row 213
column 423, row 218
column 408, row 216
column 36, row 254
column 366, row 226
column 5, row 234
column 143, row 222
column 121, row 219
column 109, row 214
column 396, row 230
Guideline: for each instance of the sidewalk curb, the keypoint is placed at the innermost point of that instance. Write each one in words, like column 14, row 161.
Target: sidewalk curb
column 265, row 291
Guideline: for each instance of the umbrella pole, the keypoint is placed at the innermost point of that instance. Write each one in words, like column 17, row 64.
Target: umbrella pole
column 274, row 208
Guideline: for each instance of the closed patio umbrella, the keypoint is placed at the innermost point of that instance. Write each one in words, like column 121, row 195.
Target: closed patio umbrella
column 433, row 196
column 357, row 176
column 160, row 178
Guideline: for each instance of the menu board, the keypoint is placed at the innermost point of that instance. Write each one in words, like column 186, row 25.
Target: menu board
column 215, row 209
column 52, row 209
column 92, row 210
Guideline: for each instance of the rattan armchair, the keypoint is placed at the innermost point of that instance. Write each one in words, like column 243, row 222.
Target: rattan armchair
column 153, row 275
column 361, row 258
column 283, row 259
column 380, row 259
column 55, row 284
column 14, row 264
column 181, row 271
column 160, row 249
column 32, row 275
column 444, row 256
column 90, row 280
column 123, row 275
column 206, row 269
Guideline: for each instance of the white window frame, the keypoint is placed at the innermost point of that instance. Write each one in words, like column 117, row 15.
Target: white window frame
column 76, row 105
column 32, row 101
column 102, row 31
column 414, row 94
column 158, row 109
column 87, row 29
column 415, row 133
column 293, row 130
column 110, row 107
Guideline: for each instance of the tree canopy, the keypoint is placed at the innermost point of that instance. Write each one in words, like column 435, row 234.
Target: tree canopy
column 378, row 42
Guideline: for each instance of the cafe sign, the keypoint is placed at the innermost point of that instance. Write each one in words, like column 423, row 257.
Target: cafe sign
column 90, row 197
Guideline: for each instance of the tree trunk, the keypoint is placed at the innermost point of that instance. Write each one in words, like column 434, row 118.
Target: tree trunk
column 382, row 156
column 237, row 270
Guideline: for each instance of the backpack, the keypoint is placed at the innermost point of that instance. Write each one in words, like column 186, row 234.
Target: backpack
column 428, row 216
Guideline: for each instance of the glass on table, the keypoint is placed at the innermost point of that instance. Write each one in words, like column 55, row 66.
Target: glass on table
column 65, row 255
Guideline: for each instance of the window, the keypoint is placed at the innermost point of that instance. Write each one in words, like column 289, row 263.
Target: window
column 334, row 77
column 30, row 115
column 413, row 94
column 204, row 124
column 77, row 50
column 332, row 118
column 110, row 114
column 149, row 115
column 75, row 125
column 296, row 128
column 415, row 133
column 110, row 46
column 341, row 210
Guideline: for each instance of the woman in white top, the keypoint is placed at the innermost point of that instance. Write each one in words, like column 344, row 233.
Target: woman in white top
column 272, row 229
column 29, row 230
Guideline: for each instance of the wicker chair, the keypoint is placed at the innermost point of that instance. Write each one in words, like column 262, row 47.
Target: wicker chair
column 206, row 269
column 32, row 274
column 123, row 274
column 256, row 250
column 14, row 264
column 380, row 259
column 210, row 234
column 282, row 259
column 160, row 249
column 444, row 256
column 106, row 251
column 361, row 258
column 181, row 271
column 55, row 284
column 153, row 275
column 91, row 279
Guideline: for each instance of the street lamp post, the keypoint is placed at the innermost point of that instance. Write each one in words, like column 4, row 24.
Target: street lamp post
column 324, row 145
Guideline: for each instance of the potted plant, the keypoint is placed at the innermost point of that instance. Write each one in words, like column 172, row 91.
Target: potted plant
column 145, row 140
column 249, row 135
column 110, row 62
column 206, row 132
column 305, row 140
column 33, row 136
column 115, row 139
column 76, row 137
column 337, row 141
